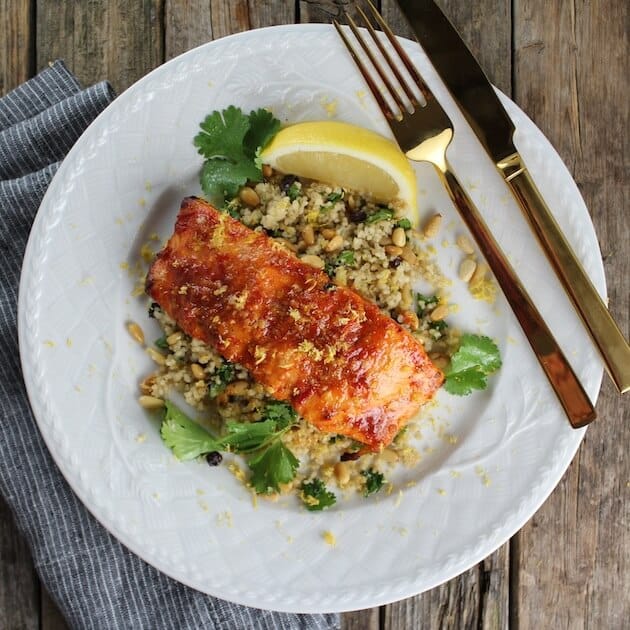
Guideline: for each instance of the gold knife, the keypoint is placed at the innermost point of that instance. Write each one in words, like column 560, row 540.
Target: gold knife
column 477, row 100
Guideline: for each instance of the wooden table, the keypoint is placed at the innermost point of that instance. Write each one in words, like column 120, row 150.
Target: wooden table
column 565, row 63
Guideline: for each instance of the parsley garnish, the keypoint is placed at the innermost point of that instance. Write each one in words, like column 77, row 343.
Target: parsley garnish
column 477, row 357
column 316, row 497
column 423, row 303
column 405, row 224
column 374, row 481
column 382, row 214
column 346, row 257
column 161, row 343
column 294, row 191
column 270, row 461
column 223, row 376
column 335, row 197
column 230, row 142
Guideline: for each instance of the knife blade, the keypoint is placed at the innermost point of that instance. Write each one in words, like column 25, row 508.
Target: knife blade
column 477, row 100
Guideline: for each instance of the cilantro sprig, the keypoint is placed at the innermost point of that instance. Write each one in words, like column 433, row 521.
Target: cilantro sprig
column 270, row 461
column 382, row 214
column 478, row 357
column 374, row 481
column 344, row 258
column 224, row 375
column 315, row 496
column 230, row 142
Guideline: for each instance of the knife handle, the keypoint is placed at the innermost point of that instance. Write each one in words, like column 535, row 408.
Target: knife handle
column 610, row 342
column 565, row 383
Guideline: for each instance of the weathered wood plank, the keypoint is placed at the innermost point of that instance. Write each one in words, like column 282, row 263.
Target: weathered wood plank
column 117, row 40
column 361, row 620
column 326, row 10
column 571, row 78
column 190, row 24
column 19, row 586
column 51, row 618
column 16, row 53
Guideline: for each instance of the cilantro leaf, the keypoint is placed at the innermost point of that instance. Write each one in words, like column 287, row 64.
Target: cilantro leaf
column 315, row 496
column 382, row 214
column 262, row 128
column 161, row 343
column 185, row 437
column 374, row 481
column 280, row 412
column 243, row 437
column 294, row 191
column 477, row 357
column 271, row 467
column 222, row 178
column 405, row 224
column 334, row 197
column 464, row 382
column 222, row 135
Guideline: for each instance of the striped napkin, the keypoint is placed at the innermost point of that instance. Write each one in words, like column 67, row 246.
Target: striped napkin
column 95, row 581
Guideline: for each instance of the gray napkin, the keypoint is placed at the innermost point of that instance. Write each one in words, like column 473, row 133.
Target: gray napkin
column 95, row 581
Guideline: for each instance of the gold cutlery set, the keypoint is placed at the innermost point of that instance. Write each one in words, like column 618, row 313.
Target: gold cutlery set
column 424, row 132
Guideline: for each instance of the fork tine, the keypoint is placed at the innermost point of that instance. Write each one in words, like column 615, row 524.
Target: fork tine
column 401, row 53
column 394, row 68
column 388, row 84
column 382, row 103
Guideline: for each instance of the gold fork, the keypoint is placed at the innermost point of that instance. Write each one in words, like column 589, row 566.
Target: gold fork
column 425, row 135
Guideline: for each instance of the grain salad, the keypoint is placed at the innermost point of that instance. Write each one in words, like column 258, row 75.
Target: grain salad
column 367, row 246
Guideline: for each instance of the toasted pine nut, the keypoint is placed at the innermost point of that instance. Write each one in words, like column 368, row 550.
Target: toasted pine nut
column 249, row 197
column 173, row 338
column 410, row 319
column 136, row 332
column 386, row 240
column 439, row 313
column 335, row 243
column 432, row 226
column 197, row 371
column 158, row 357
column 288, row 244
column 341, row 276
column 439, row 360
column 463, row 242
column 351, row 202
column 399, row 237
column 467, row 269
column 151, row 402
column 328, row 233
column 237, row 388
column 308, row 234
column 342, row 473
column 313, row 261
column 408, row 256
column 393, row 250
column 478, row 275
column 267, row 171
column 406, row 297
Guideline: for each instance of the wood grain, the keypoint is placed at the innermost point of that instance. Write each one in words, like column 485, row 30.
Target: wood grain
column 571, row 78
column 16, row 53
column 117, row 40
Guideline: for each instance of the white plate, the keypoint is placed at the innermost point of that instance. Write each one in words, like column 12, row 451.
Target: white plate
column 489, row 460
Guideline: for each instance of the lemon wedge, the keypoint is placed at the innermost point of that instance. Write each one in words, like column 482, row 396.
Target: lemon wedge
column 341, row 154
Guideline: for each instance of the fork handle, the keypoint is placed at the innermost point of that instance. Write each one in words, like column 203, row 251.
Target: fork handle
column 610, row 342
column 568, row 388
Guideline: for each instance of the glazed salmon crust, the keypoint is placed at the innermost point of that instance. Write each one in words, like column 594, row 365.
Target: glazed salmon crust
column 343, row 365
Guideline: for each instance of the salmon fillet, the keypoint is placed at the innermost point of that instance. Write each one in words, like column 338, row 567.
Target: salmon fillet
column 341, row 364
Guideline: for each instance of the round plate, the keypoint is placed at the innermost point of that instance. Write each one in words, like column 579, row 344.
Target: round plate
column 488, row 460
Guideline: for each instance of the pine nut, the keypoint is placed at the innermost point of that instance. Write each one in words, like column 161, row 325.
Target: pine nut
column 249, row 197
column 151, row 402
column 288, row 244
column 313, row 261
column 389, row 456
column 197, row 371
column 136, row 332
column 399, row 237
column 410, row 319
column 341, row 276
column 408, row 256
column 432, row 226
column 467, row 269
column 463, row 242
column 308, row 234
column 478, row 275
column 328, row 233
column 146, row 387
column 335, row 243
column 386, row 240
column 406, row 297
column 393, row 250
column 439, row 313
column 173, row 338
column 158, row 357
column 267, row 171
column 342, row 473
